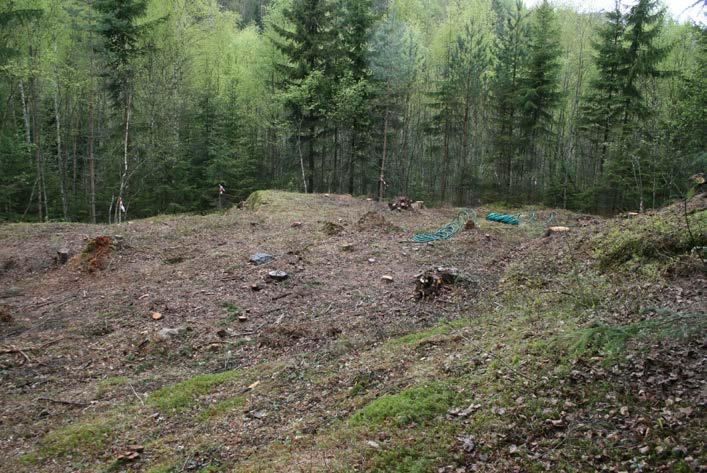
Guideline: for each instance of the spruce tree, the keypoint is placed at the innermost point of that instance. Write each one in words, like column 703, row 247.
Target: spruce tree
column 118, row 25
column 306, row 42
column 539, row 96
column 601, row 111
column 510, row 51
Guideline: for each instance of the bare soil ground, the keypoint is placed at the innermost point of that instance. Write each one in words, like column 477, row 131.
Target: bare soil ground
column 337, row 368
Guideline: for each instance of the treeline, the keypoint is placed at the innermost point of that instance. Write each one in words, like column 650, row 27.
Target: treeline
column 148, row 106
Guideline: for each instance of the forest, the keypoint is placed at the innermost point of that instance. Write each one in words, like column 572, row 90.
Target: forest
column 120, row 109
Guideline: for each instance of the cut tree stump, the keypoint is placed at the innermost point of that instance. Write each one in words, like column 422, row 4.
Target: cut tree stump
column 433, row 282
column 62, row 256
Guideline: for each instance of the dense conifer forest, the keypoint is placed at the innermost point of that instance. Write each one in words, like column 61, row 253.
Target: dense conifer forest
column 114, row 109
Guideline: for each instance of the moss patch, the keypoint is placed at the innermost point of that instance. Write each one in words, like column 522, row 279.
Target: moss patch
column 418, row 404
column 85, row 437
column 653, row 238
column 181, row 396
column 223, row 407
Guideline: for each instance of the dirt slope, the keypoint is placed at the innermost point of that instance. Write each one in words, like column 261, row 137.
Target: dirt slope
column 336, row 368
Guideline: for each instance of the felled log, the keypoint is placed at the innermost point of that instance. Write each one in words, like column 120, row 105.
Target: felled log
column 555, row 230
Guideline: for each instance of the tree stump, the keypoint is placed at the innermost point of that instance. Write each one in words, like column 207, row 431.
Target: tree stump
column 62, row 256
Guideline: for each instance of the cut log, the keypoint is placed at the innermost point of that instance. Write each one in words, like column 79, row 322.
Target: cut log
column 555, row 230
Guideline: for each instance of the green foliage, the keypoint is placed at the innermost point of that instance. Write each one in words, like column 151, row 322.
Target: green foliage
column 418, row 404
column 609, row 341
column 163, row 101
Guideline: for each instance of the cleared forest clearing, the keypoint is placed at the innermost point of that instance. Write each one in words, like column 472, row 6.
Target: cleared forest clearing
column 171, row 352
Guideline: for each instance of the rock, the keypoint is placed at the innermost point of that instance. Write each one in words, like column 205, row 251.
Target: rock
column 373, row 444
column 387, row 278
column 261, row 258
column 11, row 292
column 467, row 443
column 169, row 333
column 278, row 275
column 256, row 286
column 155, row 315
column 242, row 318
column 371, row 260
column 296, row 224
column 347, row 247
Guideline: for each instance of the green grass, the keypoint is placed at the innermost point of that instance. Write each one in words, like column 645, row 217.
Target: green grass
column 442, row 329
column 418, row 404
column 105, row 385
column 182, row 396
column 87, row 437
column 223, row 407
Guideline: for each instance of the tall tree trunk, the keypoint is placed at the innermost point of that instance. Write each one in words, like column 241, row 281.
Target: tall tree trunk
column 352, row 160
column 465, row 150
column 124, row 175
column 91, row 167
column 334, row 179
column 381, row 176
column 60, row 162
column 25, row 116
column 445, row 163
column 310, row 158
column 36, row 132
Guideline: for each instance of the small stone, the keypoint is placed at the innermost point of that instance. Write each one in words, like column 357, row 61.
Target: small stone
column 155, row 315
column 387, row 278
column 278, row 275
column 644, row 449
column 371, row 260
column 242, row 318
column 167, row 333
column 347, row 247
column 261, row 258
column 373, row 444
column 296, row 224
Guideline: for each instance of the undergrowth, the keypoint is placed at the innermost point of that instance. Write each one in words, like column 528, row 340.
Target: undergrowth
column 650, row 238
